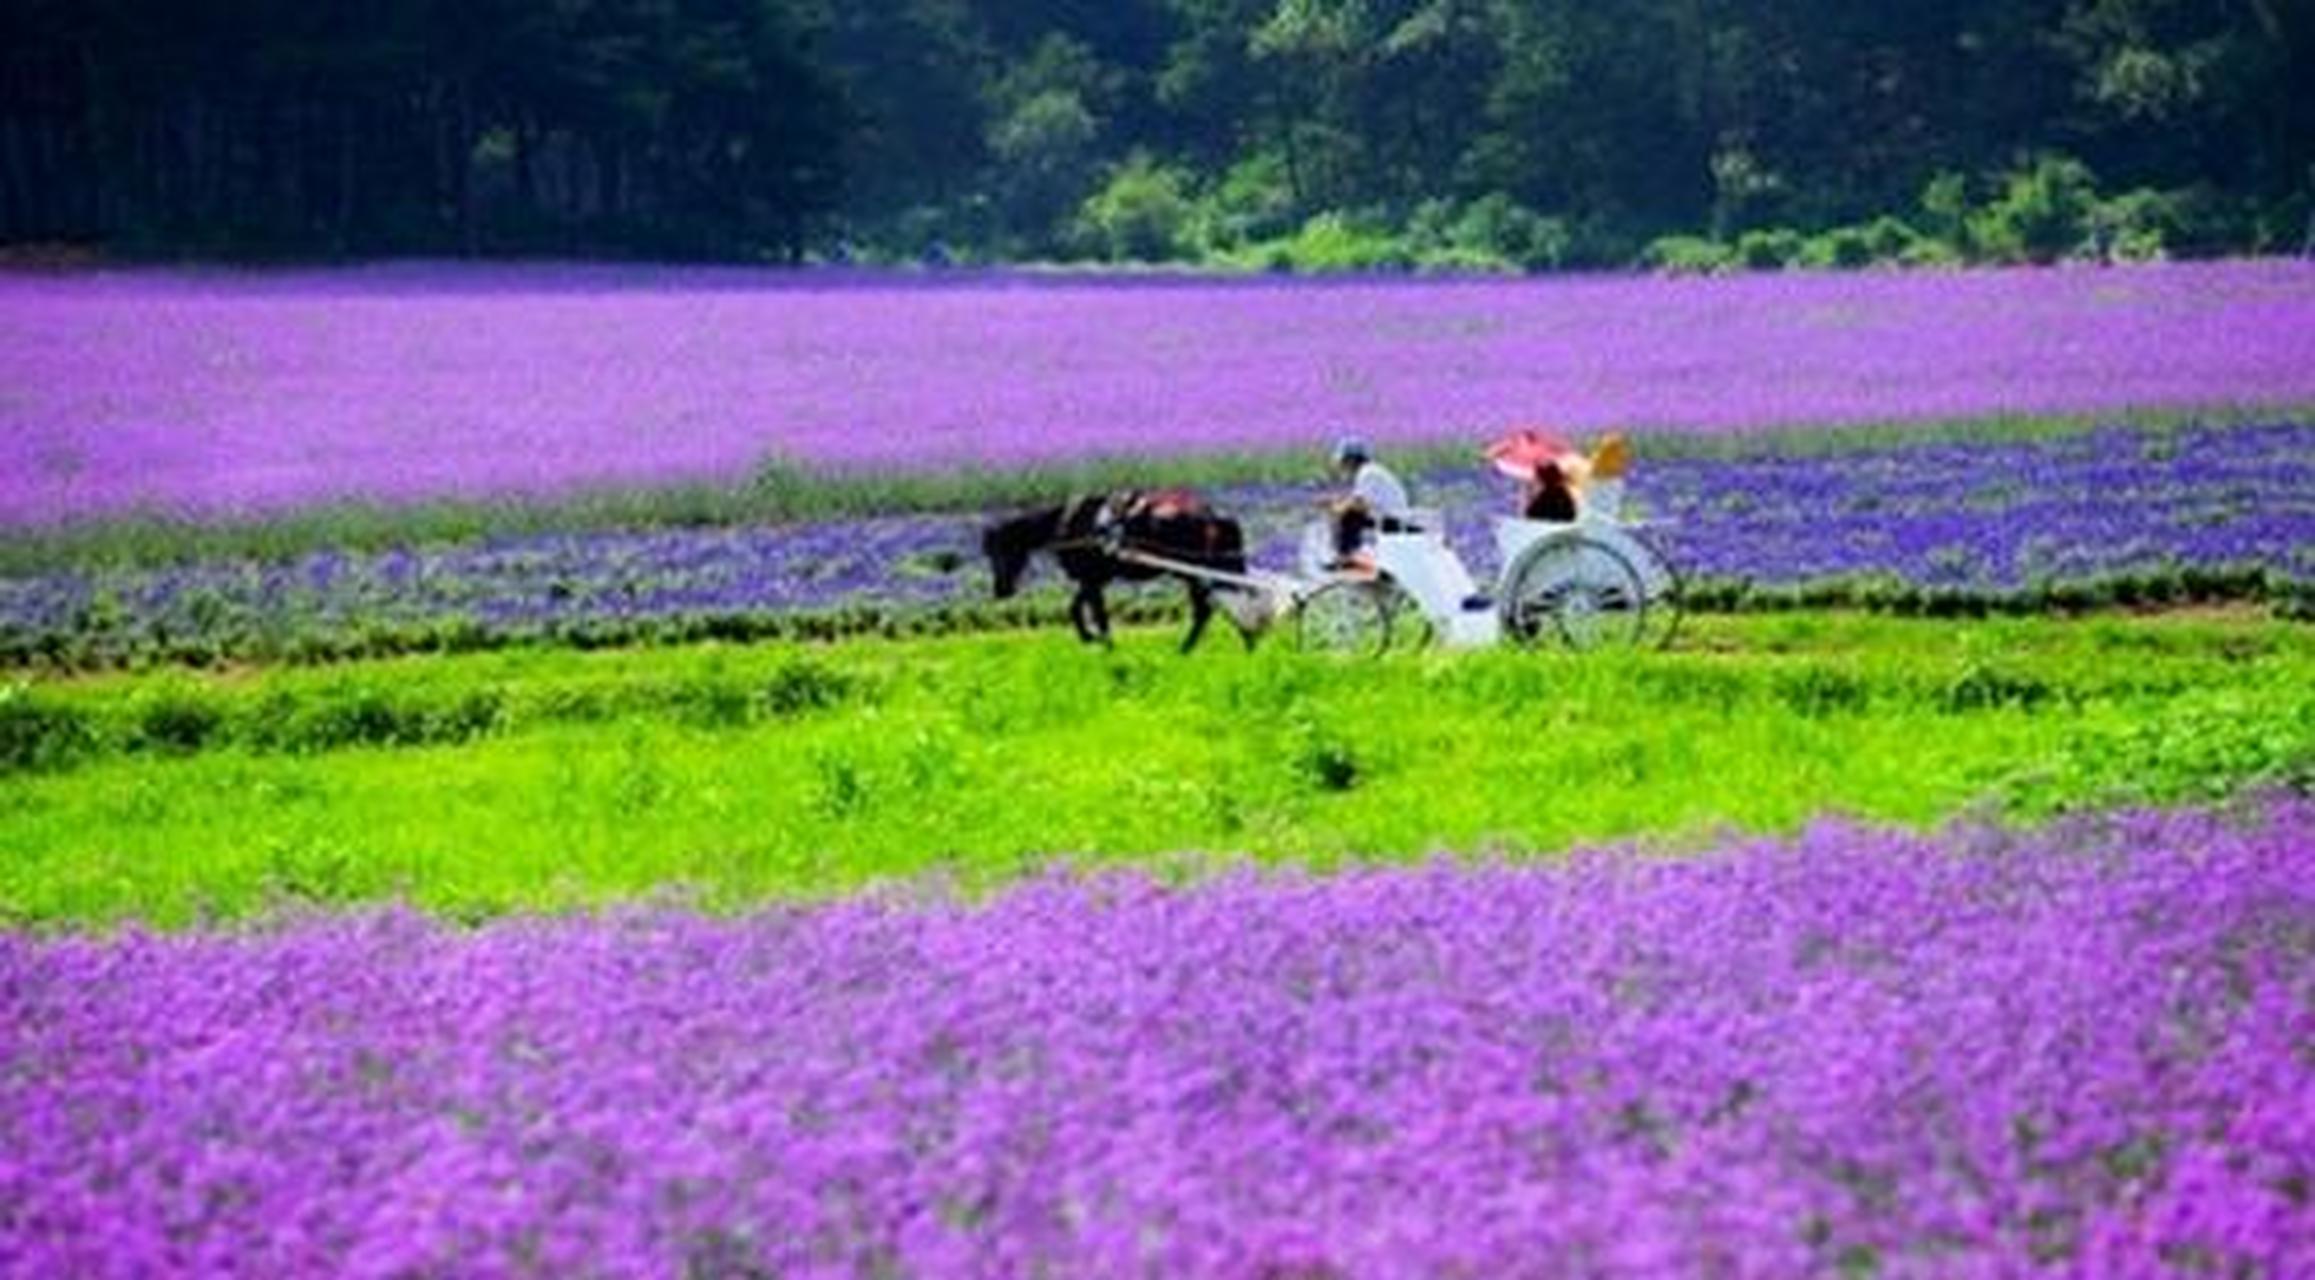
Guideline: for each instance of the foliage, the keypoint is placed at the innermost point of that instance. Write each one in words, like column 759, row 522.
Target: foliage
column 1493, row 232
column 1690, row 255
column 2041, row 214
column 37, row 733
column 1330, row 242
column 1770, row 247
column 1143, row 214
column 946, row 129
column 545, row 779
column 1044, row 144
column 1252, row 200
column 2045, row 209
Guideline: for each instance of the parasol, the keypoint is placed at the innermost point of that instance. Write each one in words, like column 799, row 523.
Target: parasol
column 1522, row 451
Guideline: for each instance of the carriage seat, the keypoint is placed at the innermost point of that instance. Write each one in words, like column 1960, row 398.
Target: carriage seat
column 1419, row 522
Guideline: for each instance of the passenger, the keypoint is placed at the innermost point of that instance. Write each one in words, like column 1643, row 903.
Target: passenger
column 1376, row 500
column 1557, row 481
column 1550, row 494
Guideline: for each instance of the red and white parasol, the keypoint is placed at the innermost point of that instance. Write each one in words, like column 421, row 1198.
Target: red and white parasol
column 1522, row 452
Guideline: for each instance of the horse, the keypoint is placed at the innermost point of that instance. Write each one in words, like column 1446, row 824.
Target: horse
column 1083, row 533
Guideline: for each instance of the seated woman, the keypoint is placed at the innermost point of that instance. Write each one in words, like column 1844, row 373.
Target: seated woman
column 1550, row 495
column 1559, row 481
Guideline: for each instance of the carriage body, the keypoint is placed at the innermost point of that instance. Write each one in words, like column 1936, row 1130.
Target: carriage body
column 1591, row 583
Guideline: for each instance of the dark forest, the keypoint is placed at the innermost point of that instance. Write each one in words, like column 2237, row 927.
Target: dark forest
column 1261, row 134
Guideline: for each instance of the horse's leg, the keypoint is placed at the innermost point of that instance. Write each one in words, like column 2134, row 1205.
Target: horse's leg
column 1201, row 611
column 1099, row 605
column 1080, row 606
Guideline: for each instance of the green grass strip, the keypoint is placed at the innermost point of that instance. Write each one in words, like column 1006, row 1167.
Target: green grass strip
column 549, row 780
column 306, row 643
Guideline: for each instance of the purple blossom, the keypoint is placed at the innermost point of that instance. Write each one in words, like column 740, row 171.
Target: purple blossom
column 2075, row 1051
column 223, row 392
column 1985, row 518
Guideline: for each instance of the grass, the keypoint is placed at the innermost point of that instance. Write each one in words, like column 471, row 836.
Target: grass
column 305, row 639
column 545, row 780
column 783, row 491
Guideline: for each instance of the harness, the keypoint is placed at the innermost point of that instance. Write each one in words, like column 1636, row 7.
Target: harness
column 1115, row 510
column 1106, row 524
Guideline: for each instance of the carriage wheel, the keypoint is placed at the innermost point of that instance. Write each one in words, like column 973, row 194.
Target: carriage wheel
column 1344, row 617
column 1408, row 626
column 1666, row 595
column 1574, row 592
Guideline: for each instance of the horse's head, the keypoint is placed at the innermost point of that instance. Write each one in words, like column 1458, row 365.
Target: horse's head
column 1007, row 544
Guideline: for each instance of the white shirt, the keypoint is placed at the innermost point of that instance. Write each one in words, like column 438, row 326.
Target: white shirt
column 1385, row 497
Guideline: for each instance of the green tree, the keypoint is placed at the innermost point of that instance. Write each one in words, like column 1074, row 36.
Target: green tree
column 1142, row 214
column 740, row 128
column 2042, row 214
column 1044, row 142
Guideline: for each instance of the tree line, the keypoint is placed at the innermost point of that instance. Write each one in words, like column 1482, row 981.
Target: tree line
column 1264, row 133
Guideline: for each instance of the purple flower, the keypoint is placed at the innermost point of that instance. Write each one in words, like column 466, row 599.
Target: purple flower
column 246, row 393
column 2077, row 1050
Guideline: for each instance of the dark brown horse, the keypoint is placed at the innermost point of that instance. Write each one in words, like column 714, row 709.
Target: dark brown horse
column 1084, row 535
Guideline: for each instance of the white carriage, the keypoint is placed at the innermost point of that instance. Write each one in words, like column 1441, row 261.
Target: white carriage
column 1593, row 583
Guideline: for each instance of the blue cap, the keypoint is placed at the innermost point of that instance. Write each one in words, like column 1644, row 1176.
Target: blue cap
column 1351, row 449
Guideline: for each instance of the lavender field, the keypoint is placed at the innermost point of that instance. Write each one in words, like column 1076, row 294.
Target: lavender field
column 220, row 393
column 2212, row 512
column 1978, row 1050
column 2076, row 1052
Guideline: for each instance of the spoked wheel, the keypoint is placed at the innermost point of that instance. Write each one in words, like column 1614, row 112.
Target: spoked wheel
column 1346, row 617
column 1571, row 591
column 1410, row 628
column 1666, row 605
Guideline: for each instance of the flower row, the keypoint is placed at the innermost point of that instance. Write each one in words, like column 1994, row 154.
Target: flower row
column 1989, row 519
column 1979, row 1053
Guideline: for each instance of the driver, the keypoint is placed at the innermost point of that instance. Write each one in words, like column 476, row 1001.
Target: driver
column 1377, row 499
